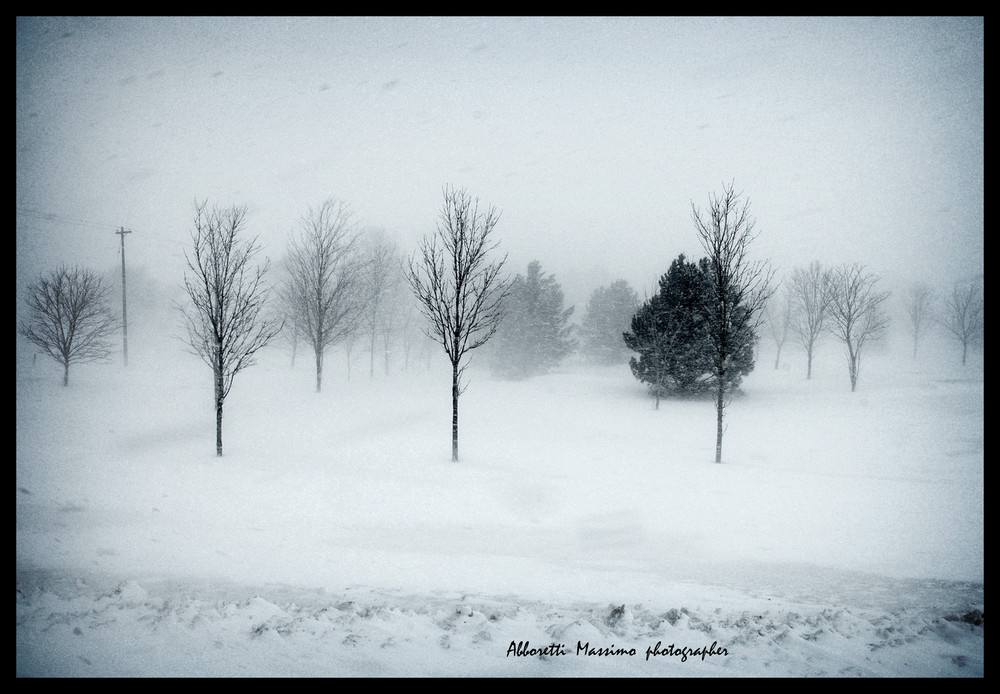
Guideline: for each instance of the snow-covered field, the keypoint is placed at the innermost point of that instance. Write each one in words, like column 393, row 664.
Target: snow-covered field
column 842, row 535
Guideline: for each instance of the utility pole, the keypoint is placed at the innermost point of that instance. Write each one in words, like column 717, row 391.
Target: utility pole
column 121, row 232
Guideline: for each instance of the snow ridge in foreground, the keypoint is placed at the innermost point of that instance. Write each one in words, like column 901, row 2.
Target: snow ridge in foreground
column 73, row 628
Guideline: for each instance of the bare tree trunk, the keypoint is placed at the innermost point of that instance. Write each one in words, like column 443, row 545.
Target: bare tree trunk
column 319, row 370
column 454, row 412
column 218, row 426
column 385, row 350
column 659, row 381
column 720, row 406
column 66, row 372
column 853, row 367
column 809, row 363
column 218, row 411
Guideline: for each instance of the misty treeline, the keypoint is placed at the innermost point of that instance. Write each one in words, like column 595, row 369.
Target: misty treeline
column 845, row 303
column 342, row 285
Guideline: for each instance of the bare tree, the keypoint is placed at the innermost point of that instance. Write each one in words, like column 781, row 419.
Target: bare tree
column 856, row 314
column 416, row 344
column 70, row 317
column 408, row 333
column 810, row 295
column 227, row 320
column 919, row 310
column 324, row 271
column 963, row 314
column 739, row 289
column 778, row 317
column 292, row 335
column 460, row 291
column 349, row 342
column 380, row 282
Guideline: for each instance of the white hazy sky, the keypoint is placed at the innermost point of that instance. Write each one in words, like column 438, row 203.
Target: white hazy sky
column 855, row 139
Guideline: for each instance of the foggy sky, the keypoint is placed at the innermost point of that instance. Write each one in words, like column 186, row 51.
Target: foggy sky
column 855, row 139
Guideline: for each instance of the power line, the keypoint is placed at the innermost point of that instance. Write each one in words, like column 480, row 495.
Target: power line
column 59, row 219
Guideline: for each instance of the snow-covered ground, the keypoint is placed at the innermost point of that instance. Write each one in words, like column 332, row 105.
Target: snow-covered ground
column 841, row 536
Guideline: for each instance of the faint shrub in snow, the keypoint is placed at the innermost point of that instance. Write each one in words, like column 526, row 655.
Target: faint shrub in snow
column 618, row 616
column 973, row 617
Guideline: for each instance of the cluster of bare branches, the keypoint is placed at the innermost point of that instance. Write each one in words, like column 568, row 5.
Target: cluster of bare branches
column 226, row 320
column 70, row 317
column 460, row 290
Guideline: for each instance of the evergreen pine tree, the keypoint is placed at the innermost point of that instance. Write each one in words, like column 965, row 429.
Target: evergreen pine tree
column 609, row 313
column 669, row 334
column 535, row 334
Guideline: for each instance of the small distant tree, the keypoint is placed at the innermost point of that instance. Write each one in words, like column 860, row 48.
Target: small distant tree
column 380, row 281
column 410, row 334
column 809, row 294
column 739, row 289
column 350, row 343
column 919, row 310
column 227, row 319
column 963, row 314
column 778, row 318
column 609, row 313
column 535, row 335
column 285, row 306
column 460, row 290
column 70, row 317
column 857, row 317
column 323, row 285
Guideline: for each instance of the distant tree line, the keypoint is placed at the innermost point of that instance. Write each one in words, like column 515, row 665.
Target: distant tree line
column 344, row 286
column 845, row 303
